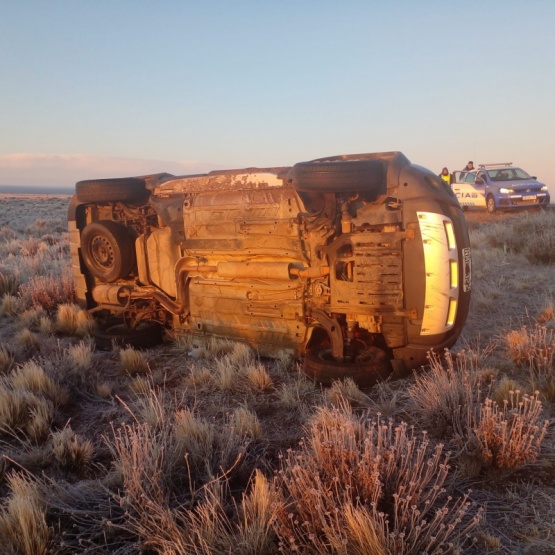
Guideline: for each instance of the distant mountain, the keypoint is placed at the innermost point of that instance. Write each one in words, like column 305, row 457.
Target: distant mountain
column 36, row 190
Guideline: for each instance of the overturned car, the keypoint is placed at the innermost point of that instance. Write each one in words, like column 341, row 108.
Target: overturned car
column 358, row 265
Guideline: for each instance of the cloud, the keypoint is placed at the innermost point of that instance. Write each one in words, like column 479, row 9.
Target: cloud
column 66, row 169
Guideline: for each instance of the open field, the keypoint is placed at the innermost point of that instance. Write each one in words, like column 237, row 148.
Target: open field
column 203, row 448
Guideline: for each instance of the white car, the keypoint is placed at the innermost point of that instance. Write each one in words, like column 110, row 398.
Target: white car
column 499, row 187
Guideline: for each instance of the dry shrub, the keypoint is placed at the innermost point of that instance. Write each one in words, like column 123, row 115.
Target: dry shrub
column 535, row 347
column 32, row 377
column 445, row 398
column 30, row 318
column 504, row 388
column 9, row 281
column 45, row 325
column 10, row 305
column 133, row 362
column 510, row 436
column 298, row 394
column 547, row 314
column 48, row 291
column 246, row 423
column 241, row 355
column 23, row 527
column 70, row 450
column 81, row 355
column 6, row 360
column 146, row 459
column 140, row 385
column 27, row 339
column 208, row 448
column 228, row 375
column 258, row 377
column 72, row 320
column 368, row 487
column 345, row 390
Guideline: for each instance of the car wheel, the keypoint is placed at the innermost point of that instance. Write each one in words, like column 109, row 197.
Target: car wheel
column 115, row 332
column 352, row 176
column 365, row 370
column 128, row 189
column 490, row 205
column 108, row 250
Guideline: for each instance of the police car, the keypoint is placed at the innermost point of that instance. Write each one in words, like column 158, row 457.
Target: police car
column 499, row 187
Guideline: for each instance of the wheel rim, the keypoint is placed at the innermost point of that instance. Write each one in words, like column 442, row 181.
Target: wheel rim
column 102, row 253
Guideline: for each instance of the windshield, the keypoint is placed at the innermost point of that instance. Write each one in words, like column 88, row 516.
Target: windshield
column 507, row 174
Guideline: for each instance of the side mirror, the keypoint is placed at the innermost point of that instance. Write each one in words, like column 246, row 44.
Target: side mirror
column 534, row 177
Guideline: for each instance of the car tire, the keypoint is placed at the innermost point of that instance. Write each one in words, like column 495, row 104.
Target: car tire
column 344, row 176
column 365, row 372
column 127, row 189
column 116, row 333
column 108, row 250
column 490, row 204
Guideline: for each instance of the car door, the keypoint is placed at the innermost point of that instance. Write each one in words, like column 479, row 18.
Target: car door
column 469, row 189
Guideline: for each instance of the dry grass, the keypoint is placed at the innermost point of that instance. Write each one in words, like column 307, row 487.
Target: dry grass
column 70, row 451
column 23, row 527
column 133, row 362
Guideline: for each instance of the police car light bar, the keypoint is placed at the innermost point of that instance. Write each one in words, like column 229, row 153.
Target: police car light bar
column 497, row 164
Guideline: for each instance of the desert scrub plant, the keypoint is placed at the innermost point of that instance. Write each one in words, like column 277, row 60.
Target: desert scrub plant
column 510, row 435
column 345, row 390
column 10, row 305
column 534, row 347
column 24, row 413
column 71, row 451
column 360, row 485
column 81, row 355
column 32, row 377
column 72, row 320
column 48, row 291
column 133, row 362
column 245, row 423
column 258, row 377
column 23, row 526
column 7, row 360
column 9, row 281
column 444, row 399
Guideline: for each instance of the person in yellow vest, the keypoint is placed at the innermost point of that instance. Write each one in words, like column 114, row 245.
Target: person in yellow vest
column 446, row 176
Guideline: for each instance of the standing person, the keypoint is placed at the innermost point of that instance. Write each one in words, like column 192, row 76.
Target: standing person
column 469, row 167
column 446, row 176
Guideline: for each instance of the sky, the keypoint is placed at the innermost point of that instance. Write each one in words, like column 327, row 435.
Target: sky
column 115, row 88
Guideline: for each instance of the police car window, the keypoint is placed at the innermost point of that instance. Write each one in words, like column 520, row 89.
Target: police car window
column 469, row 178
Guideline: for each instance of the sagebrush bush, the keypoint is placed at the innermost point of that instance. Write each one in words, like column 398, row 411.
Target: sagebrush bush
column 444, row 399
column 366, row 486
column 48, row 291
column 534, row 348
column 510, row 435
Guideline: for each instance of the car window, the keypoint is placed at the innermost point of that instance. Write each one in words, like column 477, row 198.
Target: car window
column 520, row 174
column 469, row 178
